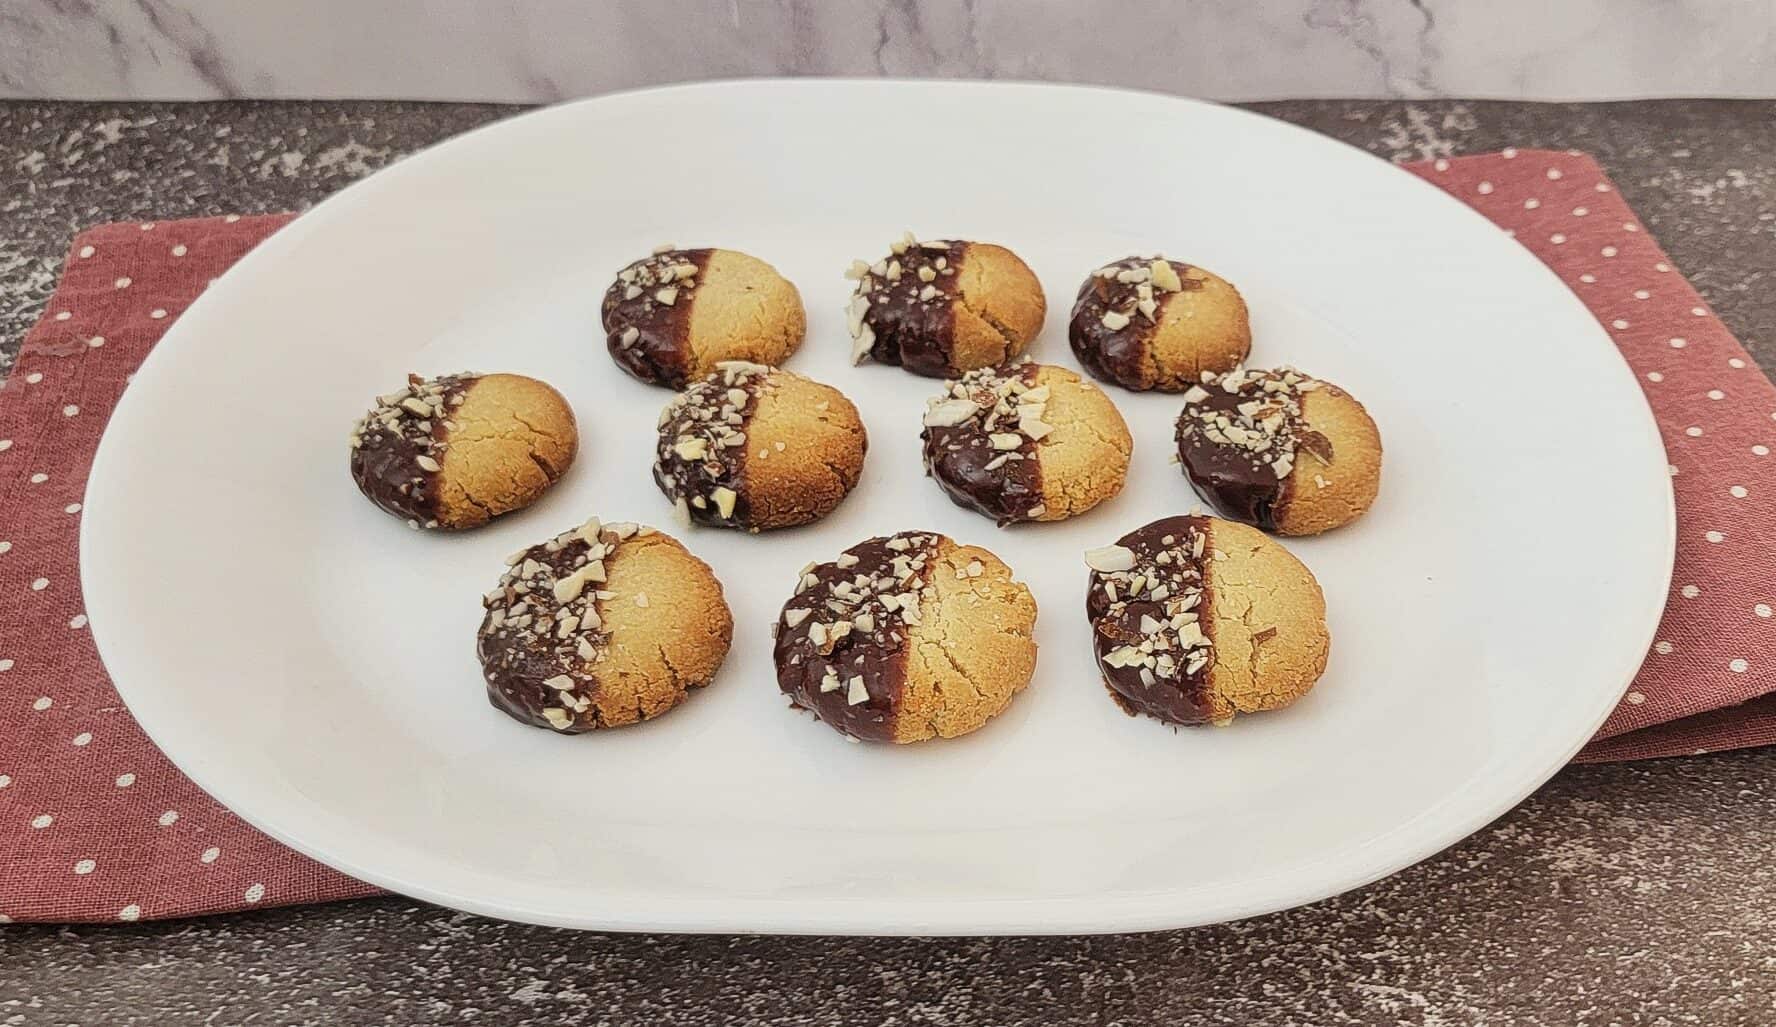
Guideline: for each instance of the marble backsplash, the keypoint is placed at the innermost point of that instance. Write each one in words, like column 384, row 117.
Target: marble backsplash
column 543, row 50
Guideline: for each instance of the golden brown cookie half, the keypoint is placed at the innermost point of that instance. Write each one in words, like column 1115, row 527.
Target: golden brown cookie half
column 1026, row 442
column 670, row 318
column 757, row 448
column 602, row 626
column 906, row 637
column 457, row 451
column 1151, row 323
column 1280, row 450
column 1195, row 619
column 939, row 307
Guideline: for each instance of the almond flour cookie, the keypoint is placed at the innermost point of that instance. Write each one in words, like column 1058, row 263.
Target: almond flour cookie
column 756, row 448
column 1196, row 619
column 1151, row 323
column 602, row 626
column 939, row 308
column 669, row 319
column 1280, row 450
column 1026, row 442
column 457, row 451
column 905, row 638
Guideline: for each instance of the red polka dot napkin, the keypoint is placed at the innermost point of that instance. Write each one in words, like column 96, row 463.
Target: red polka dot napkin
column 1716, row 647
column 96, row 825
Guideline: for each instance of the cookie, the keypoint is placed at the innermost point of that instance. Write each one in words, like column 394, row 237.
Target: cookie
column 457, row 451
column 670, row 318
column 906, row 637
column 1196, row 619
column 939, row 308
column 602, row 626
column 1280, row 450
column 756, row 448
column 1151, row 323
column 1026, row 442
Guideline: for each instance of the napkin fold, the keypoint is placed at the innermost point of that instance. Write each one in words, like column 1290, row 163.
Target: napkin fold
column 96, row 825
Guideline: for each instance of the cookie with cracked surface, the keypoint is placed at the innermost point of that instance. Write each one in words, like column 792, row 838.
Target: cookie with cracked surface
column 1152, row 323
column 758, row 448
column 456, row 451
column 906, row 637
column 1279, row 449
column 941, row 307
column 671, row 317
column 603, row 626
column 1196, row 619
column 1026, row 442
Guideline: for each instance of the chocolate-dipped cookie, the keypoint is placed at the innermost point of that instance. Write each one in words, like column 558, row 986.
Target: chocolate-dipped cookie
column 1196, row 619
column 906, row 637
column 459, row 450
column 1279, row 450
column 1152, row 323
column 757, row 448
column 670, row 318
column 939, row 307
column 1026, row 442
column 602, row 626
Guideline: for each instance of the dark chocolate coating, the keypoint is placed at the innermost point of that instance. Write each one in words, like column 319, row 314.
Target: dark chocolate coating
column 879, row 656
column 385, row 462
column 723, row 467
column 516, row 665
column 913, row 333
column 1228, row 477
column 1177, row 698
column 1117, row 355
column 1237, row 481
column 957, row 457
column 661, row 353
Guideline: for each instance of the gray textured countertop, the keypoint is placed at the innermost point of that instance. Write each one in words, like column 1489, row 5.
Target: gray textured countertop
column 1628, row 894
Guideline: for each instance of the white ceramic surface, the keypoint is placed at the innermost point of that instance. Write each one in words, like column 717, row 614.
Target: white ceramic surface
column 309, row 660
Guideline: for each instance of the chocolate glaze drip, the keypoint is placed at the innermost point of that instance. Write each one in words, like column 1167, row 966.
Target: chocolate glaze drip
column 1169, row 690
column 1118, row 354
column 657, row 351
column 855, row 685
column 537, row 670
column 914, row 328
column 392, row 445
column 1248, row 483
column 971, row 472
column 701, row 451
